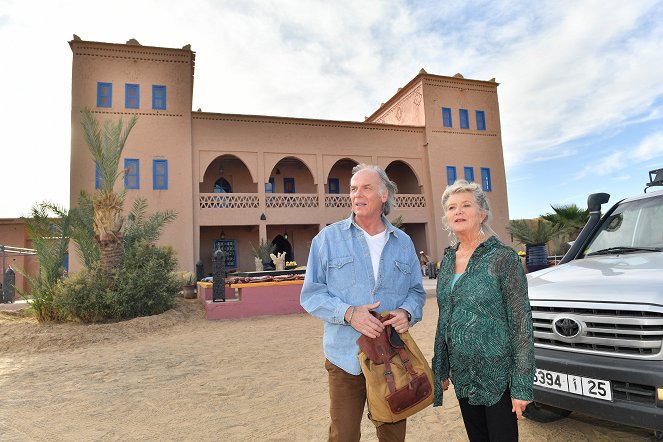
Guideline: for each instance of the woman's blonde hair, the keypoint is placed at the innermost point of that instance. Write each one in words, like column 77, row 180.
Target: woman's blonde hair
column 479, row 197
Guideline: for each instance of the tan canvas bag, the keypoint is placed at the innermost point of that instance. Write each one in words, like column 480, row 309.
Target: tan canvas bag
column 399, row 381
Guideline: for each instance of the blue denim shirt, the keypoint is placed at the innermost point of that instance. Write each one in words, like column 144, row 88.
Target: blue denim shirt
column 339, row 274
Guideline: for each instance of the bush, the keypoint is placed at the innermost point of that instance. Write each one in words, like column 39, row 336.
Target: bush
column 144, row 286
column 84, row 296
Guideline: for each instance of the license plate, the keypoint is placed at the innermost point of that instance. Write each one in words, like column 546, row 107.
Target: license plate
column 596, row 388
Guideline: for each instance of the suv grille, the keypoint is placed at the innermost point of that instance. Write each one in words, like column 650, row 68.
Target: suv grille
column 634, row 334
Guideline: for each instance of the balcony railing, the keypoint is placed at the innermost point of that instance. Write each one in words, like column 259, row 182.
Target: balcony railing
column 295, row 200
column 229, row 201
column 337, row 200
column 274, row 200
column 409, row 201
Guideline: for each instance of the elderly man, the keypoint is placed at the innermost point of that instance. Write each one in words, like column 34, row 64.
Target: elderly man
column 356, row 265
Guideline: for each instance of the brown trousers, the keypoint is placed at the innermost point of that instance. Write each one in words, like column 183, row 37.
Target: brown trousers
column 347, row 396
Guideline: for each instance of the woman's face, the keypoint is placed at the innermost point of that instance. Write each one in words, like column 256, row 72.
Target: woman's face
column 463, row 214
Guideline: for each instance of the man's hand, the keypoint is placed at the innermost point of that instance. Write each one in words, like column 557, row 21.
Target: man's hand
column 363, row 321
column 445, row 384
column 519, row 407
column 398, row 320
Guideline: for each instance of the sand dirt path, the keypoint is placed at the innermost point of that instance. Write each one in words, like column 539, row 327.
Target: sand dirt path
column 177, row 376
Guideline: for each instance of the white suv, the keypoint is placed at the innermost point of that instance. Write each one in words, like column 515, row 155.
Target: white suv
column 598, row 319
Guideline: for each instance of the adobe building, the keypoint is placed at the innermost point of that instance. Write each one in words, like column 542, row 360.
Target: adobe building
column 16, row 252
column 237, row 179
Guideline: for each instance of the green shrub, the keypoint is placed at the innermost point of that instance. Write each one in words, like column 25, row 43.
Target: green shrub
column 84, row 296
column 145, row 285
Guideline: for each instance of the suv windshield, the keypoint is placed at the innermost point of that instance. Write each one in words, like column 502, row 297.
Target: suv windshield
column 633, row 227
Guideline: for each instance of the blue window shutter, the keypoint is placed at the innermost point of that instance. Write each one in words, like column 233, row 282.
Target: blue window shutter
column 469, row 174
column 158, row 97
column 485, row 180
column 481, row 120
column 132, row 96
column 464, row 119
column 97, row 176
column 104, row 94
column 446, row 117
column 288, row 185
column 332, row 185
column 131, row 174
column 160, row 174
column 451, row 175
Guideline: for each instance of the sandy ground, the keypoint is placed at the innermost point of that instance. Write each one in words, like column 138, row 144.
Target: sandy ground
column 177, row 376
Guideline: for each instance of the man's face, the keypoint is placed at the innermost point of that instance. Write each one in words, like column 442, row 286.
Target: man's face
column 365, row 194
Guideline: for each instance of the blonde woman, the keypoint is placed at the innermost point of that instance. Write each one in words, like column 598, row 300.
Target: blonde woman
column 484, row 342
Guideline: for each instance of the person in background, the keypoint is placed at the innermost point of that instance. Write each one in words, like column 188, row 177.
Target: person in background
column 423, row 261
column 484, row 342
column 356, row 265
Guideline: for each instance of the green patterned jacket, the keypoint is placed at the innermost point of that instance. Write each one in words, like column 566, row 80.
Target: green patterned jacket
column 484, row 340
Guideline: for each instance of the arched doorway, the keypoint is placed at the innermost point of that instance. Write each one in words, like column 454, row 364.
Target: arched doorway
column 402, row 174
column 222, row 186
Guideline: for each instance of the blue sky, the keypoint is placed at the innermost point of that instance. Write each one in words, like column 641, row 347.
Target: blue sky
column 581, row 82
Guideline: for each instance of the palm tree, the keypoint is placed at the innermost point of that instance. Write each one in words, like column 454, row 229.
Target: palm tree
column 106, row 148
column 570, row 217
column 49, row 227
column 524, row 233
column 571, row 220
column 534, row 239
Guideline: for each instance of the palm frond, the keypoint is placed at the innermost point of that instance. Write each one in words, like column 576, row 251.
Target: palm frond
column 523, row 232
column 82, row 232
column 140, row 228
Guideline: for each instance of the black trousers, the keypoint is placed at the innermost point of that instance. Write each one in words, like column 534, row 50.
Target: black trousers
column 496, row 423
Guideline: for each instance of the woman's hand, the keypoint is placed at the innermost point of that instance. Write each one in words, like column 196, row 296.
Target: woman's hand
column 519, row 407
column 445, row 384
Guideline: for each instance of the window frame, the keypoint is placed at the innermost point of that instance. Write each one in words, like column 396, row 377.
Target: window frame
column 481, row 120
column 155, row 88
column 286, row 181
column 129, row 88
column 446, row 115
column 127, row 175
column 451, row 172
column 156, row 175
column 486, row 183
column 336, row 186
column 101, row 95
column 468, row 173
column 464, row 118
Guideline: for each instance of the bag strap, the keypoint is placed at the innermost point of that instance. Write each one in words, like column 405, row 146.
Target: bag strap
column 405, row 359
column 389, row 375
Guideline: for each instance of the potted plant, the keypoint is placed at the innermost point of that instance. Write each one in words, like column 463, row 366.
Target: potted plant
column 534, row 239
column 261, row 254
column 188, row 285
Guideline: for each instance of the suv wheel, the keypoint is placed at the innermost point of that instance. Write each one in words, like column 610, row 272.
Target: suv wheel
column 544, row 413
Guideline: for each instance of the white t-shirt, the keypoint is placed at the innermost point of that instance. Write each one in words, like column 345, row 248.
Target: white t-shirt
column 375, row 245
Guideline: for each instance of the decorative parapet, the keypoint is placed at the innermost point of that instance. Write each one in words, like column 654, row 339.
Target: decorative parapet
column 336, row 200
column 294, row 200
column 229, row 201
column 410, row 201
column 274, row 200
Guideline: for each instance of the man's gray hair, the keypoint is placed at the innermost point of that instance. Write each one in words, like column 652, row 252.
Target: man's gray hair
column 480, row 198
column 385, row 184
